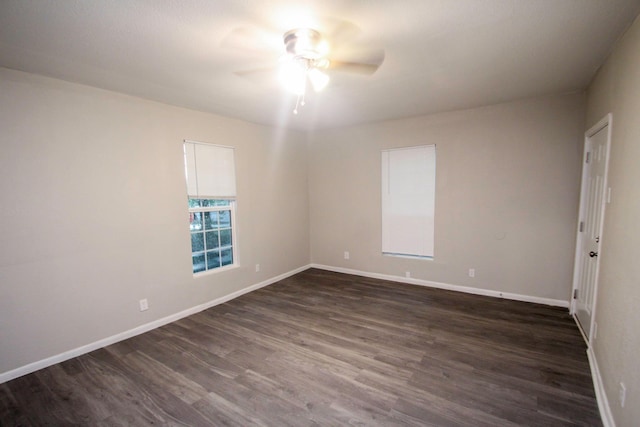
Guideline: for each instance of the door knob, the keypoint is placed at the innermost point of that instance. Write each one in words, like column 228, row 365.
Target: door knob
column 592, row 254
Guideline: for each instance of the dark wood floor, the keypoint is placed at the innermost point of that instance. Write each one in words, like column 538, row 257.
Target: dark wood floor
column 327, row 349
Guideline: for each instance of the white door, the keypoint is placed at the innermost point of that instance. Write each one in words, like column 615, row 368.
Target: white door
column 592, row 203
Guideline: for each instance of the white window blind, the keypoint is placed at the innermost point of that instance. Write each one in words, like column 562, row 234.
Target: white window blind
column 210, row 170
column 408, row 201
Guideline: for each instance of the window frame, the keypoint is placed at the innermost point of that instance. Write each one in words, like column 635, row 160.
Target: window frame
column 231, row 207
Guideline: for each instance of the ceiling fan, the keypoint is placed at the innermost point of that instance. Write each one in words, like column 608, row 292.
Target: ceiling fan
column 309, row 56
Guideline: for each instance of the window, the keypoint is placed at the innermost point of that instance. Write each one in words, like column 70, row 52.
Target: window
column 211, row 233
column 408, row 201
column 211, row 188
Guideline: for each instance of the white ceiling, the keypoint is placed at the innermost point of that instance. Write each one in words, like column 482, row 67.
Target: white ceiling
column 441, row 55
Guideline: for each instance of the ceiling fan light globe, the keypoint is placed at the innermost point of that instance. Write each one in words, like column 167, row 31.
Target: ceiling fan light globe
column 293, row 77
column 318, row 79
column 322, row 63
column 323, row 48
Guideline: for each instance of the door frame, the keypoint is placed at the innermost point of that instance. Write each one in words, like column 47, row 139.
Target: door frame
column 606, row 121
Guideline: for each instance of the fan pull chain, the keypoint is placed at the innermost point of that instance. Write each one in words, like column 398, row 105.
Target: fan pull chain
column 295, row 110
column 300, row 101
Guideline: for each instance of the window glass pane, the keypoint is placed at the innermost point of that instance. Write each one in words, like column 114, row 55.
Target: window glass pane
column 225, row 237
column 213, row 259
column 227, row 257
column 210, row 220
column 215, row 202
column 195, row 221
column 195, row 203
column 197, row 242
column 225, row 218
column 212, row 240
column 198, row 263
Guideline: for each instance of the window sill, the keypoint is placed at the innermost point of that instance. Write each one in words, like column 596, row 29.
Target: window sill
column 215, row 270
column 426, row 258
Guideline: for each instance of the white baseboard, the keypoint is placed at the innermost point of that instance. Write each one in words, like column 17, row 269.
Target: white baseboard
column 449, row 287
column 40, row 364
column 601, row 395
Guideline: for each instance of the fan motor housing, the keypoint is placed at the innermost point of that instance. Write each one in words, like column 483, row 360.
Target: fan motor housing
column 303, row 43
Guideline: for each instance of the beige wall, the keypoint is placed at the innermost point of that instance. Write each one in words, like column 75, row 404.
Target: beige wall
column 616, row 89
column 506, row 195
column 93, row 213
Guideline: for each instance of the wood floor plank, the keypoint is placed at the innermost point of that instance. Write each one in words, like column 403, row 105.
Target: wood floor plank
column 10, row 409
column 149, row 391
column 323, row 349
column 111, row 393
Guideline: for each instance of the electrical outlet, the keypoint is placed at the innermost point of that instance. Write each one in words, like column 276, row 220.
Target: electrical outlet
column 623, row 394
column 257, row 267
column 472, row 272
column 407, row 274
column 144, row 305
column 346, row 254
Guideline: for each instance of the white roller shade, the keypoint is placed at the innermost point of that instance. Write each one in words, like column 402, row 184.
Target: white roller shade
column 210, row 170
column 408, row 201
